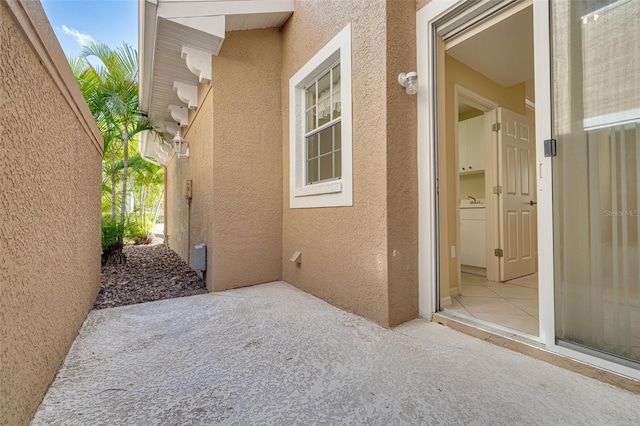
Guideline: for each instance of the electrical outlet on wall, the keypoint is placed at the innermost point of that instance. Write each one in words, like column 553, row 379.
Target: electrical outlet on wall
column 453, row 252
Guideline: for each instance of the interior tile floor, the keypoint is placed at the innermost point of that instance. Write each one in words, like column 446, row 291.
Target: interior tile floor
column 512, row 304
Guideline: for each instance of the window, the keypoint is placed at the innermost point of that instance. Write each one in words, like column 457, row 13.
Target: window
column 320, row 127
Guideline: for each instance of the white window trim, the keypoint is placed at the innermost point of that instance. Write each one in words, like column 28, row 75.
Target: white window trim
column 335, row 193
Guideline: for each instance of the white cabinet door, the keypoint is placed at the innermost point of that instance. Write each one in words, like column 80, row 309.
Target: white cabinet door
column 463, row 158
column 473, row 250
column 475, row 144
column 471, row 145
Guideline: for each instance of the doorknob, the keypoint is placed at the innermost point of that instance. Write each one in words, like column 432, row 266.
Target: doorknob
column 533, row 202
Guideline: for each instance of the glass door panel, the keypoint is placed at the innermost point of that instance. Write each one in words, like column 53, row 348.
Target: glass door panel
column 596, row 121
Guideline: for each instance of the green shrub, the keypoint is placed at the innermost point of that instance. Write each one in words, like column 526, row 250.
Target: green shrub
column 137, row 233
column 112, row 241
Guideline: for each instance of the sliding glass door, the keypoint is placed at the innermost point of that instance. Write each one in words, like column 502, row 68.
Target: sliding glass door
column 596, row 182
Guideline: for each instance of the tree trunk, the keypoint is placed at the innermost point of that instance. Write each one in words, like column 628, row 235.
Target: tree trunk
column 113, row 186
column 125, row 162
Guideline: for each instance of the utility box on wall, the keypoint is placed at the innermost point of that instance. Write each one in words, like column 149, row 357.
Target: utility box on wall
column 200, row 257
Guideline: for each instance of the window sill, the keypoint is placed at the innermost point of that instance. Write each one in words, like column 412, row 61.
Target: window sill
column 319, row 188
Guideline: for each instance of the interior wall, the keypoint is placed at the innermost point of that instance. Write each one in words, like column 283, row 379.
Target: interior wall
column 50, row 180
column 473, row 185
column 512, row 98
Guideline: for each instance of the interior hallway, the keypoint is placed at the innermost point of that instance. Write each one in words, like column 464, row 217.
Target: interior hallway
column 272, row 354
column 513, row 304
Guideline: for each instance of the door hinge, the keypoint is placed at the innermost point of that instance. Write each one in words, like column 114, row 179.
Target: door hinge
column 497, row 189
column 498, row 253
column 550, row 148
column 496, row 127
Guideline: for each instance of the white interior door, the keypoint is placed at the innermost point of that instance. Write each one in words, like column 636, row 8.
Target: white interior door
column 516, row 155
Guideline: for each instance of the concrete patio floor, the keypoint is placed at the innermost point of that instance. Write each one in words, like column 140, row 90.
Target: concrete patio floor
column 272, row 354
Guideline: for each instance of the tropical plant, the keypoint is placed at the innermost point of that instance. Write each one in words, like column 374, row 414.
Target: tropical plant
column 112, row 241
column 108, row 79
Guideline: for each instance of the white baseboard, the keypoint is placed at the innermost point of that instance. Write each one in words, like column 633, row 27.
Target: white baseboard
column 445, row 302
column 453, row 292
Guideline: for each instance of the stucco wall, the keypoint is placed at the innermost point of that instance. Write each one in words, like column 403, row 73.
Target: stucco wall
column 247, row 169
column 50, row 173
column 346, row 250
column 235, row 166
column 191, row 225
column 402, row 165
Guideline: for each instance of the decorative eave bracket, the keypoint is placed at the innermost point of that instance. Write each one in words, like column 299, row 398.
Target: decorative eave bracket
column 180, row 114
column 188, row 93
column 199, row 62
column 171, row 127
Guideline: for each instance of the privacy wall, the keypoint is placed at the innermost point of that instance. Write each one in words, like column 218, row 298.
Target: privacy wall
column 50, row 174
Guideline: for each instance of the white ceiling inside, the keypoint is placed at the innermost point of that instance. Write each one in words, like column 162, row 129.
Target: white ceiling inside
column 502, row 52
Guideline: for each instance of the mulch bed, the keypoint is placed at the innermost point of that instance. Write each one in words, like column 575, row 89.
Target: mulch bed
column 152, row 272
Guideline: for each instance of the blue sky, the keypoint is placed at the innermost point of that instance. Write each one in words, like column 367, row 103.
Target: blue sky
column 78, row 22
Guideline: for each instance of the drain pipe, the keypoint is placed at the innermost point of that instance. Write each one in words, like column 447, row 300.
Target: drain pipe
column 188, row 195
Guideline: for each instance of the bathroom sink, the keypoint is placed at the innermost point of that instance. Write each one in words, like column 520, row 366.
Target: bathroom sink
column 470, row 204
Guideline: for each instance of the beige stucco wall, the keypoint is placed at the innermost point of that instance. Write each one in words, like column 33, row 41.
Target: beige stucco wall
column 235, row 165
column 402, row 165
column 346, row 251
column 50, row 173
column 188, row 225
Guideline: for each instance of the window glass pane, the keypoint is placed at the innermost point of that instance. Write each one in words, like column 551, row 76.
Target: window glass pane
column 326, row 141
column 335, row 77
column 337, row 136
column 312, row 146
column 311, row 96
column 338, row 163
column 311, row 119
column 323, row 85
column 312, row 170
column 326, row 167
column 336, row 104
column 324, row 100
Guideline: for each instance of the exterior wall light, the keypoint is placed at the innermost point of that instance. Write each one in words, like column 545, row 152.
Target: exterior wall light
column 180, row 145
column 409, row 81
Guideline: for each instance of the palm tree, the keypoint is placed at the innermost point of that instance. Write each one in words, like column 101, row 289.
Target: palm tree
column 108, row 79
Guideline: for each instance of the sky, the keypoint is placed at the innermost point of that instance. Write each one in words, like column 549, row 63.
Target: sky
column 80, row 22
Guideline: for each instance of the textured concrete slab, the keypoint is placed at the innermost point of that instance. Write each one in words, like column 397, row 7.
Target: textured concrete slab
column 271, row 354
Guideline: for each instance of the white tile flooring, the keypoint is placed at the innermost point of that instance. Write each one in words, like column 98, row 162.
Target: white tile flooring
column 512, row 304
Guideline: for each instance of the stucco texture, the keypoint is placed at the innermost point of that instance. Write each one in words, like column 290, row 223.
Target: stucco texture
column 235, row 166
column 347, row 251
column 50, row 178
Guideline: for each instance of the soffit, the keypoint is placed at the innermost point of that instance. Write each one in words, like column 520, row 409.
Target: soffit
column 168, row 26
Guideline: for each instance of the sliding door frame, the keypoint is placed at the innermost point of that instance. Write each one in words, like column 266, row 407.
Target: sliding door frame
column 426, row 20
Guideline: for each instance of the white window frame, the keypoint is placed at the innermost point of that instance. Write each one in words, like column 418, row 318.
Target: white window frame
column 336, row 192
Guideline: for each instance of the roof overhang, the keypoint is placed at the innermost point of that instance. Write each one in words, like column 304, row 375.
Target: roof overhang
column 177, row 40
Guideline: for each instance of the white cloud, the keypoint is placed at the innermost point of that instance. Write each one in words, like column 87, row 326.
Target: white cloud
column 81, row 38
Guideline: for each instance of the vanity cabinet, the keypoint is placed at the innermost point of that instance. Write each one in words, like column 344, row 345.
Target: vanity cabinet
column 471, row 145
column 473, row 237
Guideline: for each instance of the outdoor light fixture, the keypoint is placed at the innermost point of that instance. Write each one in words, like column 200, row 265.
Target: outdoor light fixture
column 180, row 145
column 409, row 81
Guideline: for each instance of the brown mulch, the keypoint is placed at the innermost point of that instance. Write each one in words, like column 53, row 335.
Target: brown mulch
column 152, row 272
